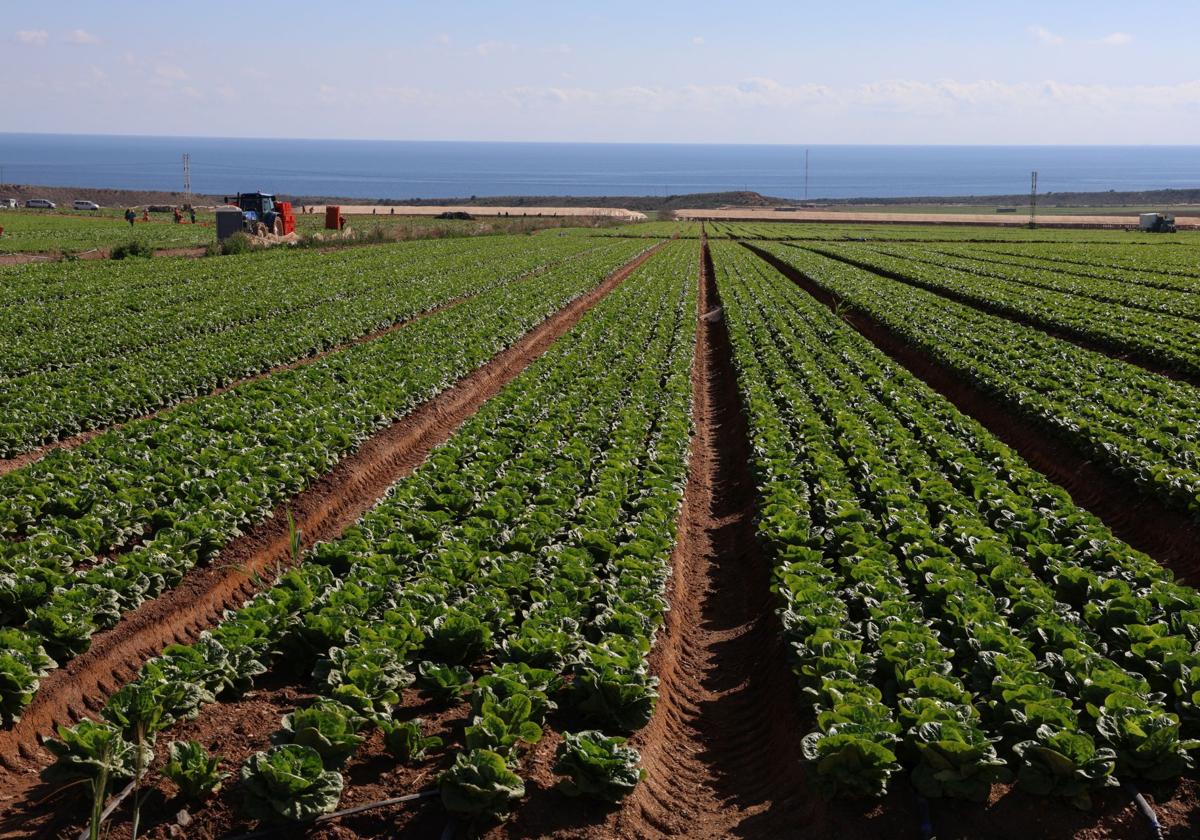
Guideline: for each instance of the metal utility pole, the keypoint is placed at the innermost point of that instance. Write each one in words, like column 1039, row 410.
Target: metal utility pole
column 187, row 178
column 805, row 174
column 1033, row 200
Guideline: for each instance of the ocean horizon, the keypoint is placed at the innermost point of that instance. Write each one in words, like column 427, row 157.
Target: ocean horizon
column 401, row 169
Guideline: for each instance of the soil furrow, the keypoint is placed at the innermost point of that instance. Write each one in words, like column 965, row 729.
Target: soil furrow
column 722, row 752
column 1170, row 536
column 1110, row 349
column 321, row 512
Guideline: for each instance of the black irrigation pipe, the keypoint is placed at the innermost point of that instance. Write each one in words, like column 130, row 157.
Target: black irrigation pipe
column 1145, row 808
column 345, row 812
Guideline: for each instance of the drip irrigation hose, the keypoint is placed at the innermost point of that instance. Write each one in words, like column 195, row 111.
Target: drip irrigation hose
column 1145, row 807
column 926, row 826
column 345, row 812
column 110, row 808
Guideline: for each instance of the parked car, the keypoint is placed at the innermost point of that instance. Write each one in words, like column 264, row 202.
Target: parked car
column 40, row 204
column 8, row 203
column 80, row 204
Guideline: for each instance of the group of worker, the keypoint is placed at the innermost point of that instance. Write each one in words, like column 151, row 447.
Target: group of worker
column 131, row 216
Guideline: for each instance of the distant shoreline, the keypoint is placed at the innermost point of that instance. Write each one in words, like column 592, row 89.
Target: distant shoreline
column 1130, row 201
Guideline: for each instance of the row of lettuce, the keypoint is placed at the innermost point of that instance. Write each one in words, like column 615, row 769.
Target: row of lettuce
column 950, row 612
column 1171, row 264
column 794, row 228
column 91, row 311
column 1141, row 426
column 1170, row 268
column 91, row 533
column 523, row 567
column 1157, row 326
column 98, row 358
column 1153, row 294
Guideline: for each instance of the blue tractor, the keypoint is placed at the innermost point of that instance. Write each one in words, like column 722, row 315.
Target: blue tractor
column 257, row 209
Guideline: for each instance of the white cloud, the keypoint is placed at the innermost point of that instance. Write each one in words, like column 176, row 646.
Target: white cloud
column 487, row 48
column 442, row 40
column 946, row 97
column 698, row 40
column 171, row 73
column 1045, row 36
column 33, row 37
column 81, row 37
column 1115, row 39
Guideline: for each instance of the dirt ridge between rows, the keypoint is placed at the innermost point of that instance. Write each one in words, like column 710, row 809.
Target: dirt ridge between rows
column 16, row 462
column 321, row 512
column 1109, row 349
column 1170, row 536
column 722, row 752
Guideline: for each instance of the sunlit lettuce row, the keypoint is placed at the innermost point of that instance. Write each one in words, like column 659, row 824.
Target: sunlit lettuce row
column 851, row 456
column 1171, row 265
column 1133, row 279
column 138, row 507
column 525, row 563
column 1056, row 278
column 1161, row 339
column 1140, row 425
column 1070, row 550
column 382, row 286
column 199, row 299
column 573, row 500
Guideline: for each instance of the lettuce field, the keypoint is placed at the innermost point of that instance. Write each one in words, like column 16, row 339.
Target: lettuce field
column 661, row 530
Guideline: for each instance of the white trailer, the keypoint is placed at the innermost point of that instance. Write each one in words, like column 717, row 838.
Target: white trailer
column 1156, row 222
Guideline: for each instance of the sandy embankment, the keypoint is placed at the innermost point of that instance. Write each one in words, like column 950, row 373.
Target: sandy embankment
column 753, row 214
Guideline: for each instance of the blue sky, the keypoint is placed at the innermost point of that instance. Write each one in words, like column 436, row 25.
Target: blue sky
column 748, row 72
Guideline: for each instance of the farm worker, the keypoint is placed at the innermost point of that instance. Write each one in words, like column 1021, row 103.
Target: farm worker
column 178, row 216
column 146, row 215
column 130, row 216
column 192, row 212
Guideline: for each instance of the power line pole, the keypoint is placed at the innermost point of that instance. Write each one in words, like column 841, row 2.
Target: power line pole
column 187, row 178
column 1033, row 200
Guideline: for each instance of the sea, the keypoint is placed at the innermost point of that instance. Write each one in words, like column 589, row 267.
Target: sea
column 399, row 169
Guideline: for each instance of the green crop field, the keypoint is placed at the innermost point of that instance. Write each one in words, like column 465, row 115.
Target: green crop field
column 33, row 231
column 531, row 527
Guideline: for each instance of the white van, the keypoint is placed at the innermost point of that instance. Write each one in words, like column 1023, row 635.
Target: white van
column 80, row 204
column 40, row 204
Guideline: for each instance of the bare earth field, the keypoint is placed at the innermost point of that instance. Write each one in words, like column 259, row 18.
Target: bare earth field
column 759, row 214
